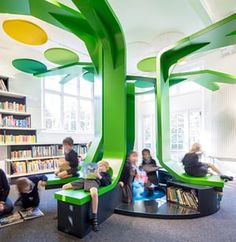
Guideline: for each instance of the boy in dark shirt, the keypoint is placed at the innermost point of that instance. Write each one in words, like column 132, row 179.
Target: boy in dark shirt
column 91, row 185
column 6, row 205
column 28, row 189
column 69, row 166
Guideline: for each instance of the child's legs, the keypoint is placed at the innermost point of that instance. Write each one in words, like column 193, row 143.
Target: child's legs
column 94, row 196
column 63, row 174
column 67, row 186
column 214, row 168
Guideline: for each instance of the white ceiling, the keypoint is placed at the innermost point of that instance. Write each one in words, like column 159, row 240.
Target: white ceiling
column 148, row 25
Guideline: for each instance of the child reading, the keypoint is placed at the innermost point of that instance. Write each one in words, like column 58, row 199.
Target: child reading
column 69, row 166
column 102, row 178
column 29, row 190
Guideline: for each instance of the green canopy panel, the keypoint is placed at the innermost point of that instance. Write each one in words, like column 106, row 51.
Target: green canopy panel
column 29, row 66
column 61, row 56
column 147, row 64
column 88, row 76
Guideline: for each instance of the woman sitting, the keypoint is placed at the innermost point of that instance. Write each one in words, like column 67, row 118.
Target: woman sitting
column 193, row 167
column 6, row 205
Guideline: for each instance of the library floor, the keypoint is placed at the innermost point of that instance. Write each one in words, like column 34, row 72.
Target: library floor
column 218, row 227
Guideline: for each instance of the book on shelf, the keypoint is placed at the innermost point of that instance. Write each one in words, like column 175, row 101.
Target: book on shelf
column 12, row 106
column 183, row 197
column 34, row 166
column 16, row 139
column 50, row 150
column 20, row 216
column 80, row 149
column 21, row 154
column 2, row 141
column 10, row 121
column 3, row 86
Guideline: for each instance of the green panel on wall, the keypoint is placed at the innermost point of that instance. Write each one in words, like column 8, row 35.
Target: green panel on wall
column 61, row 56
column 29, row 66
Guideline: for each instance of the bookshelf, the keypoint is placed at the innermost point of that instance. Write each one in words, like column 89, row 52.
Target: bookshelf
column 202, row 199
column 28, row 159
column 15, row 122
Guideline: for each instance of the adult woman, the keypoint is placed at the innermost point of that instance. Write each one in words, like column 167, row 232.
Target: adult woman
column 193, row 167
column 6, row 205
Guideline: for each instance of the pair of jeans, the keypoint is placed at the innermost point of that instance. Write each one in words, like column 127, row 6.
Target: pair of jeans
column 8, row 207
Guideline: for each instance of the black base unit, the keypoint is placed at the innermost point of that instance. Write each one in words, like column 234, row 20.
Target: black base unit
column 76, row 219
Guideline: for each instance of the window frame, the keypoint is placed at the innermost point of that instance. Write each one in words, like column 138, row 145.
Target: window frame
column 62, row 95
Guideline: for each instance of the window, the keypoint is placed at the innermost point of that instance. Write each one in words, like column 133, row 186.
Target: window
column 185, row 129
column 68, row 107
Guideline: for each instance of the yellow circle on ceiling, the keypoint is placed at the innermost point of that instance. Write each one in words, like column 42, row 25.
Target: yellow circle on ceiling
column 25, row 31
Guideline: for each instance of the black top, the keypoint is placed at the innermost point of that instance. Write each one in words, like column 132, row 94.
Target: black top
column 72, row 158
column 128, row 173
column 149, row 162
column 31, row 199
column 191, row 161
column 105, row 180
column 4, row 186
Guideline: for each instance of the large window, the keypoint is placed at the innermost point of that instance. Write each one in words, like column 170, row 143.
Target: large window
column 68, row 107
column 185, row 129
column 148, row 132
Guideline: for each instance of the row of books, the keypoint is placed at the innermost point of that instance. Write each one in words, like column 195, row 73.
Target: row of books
column 16, row 139
column 80, row 149
column 183, row 197
column 21, row 154
column 13, row 106
column 2, row 139
column 24, row 167
column 10, row 121
column 3, row 86
column 51, row 150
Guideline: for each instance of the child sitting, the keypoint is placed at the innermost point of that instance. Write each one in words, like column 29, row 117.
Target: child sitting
column 69, row 166
column 28, row 189
column 91, row 185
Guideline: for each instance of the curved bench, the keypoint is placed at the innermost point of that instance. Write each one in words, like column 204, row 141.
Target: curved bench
column 177, row 171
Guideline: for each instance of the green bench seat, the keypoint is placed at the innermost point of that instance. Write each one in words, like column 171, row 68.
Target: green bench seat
column 177, row 171
column 54, row 181
column 80, row 197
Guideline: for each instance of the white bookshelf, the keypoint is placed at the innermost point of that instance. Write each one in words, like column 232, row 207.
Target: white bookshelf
column 12, row 94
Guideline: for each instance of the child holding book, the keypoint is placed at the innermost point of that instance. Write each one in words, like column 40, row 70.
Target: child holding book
column 28, row 188
column 128, row 175
column 6, row 205
column 91, row 185
column 69, row 166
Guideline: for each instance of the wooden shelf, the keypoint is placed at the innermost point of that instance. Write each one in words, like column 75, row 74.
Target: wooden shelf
column 16, row 128
column 12, row 112
column 12, row 94
column 35, row 158
column 28, row 174
column 15, row 144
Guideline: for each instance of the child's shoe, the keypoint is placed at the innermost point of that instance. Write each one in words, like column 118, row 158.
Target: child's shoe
column 95, row 225
column 227, row 178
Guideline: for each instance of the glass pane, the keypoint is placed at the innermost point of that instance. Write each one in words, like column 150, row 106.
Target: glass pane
column 70, row 111
column 52, row 112
column 52, row 83
column 71, row 87
column 86, row 88
column 86, row 113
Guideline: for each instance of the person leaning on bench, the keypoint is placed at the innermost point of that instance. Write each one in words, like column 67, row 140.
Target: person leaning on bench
column 103, row 179
column 69, row 166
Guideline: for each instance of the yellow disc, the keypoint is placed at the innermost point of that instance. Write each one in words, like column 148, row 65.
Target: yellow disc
column 25, row 31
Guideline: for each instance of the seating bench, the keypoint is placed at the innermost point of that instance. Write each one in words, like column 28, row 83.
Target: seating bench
column 176, row 170
column 56, row 182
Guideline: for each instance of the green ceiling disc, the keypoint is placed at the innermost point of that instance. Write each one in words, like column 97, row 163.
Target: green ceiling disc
column 144, row 84
column 29, row 65
column 88, row 76
column 61, row 56
column 147, row 64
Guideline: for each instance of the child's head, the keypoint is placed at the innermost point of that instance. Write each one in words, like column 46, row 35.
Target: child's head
column 146, row 154
column 132, row 157
column 103, row 166
column 196, row 147
column 68, row 144
column 24, row 185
